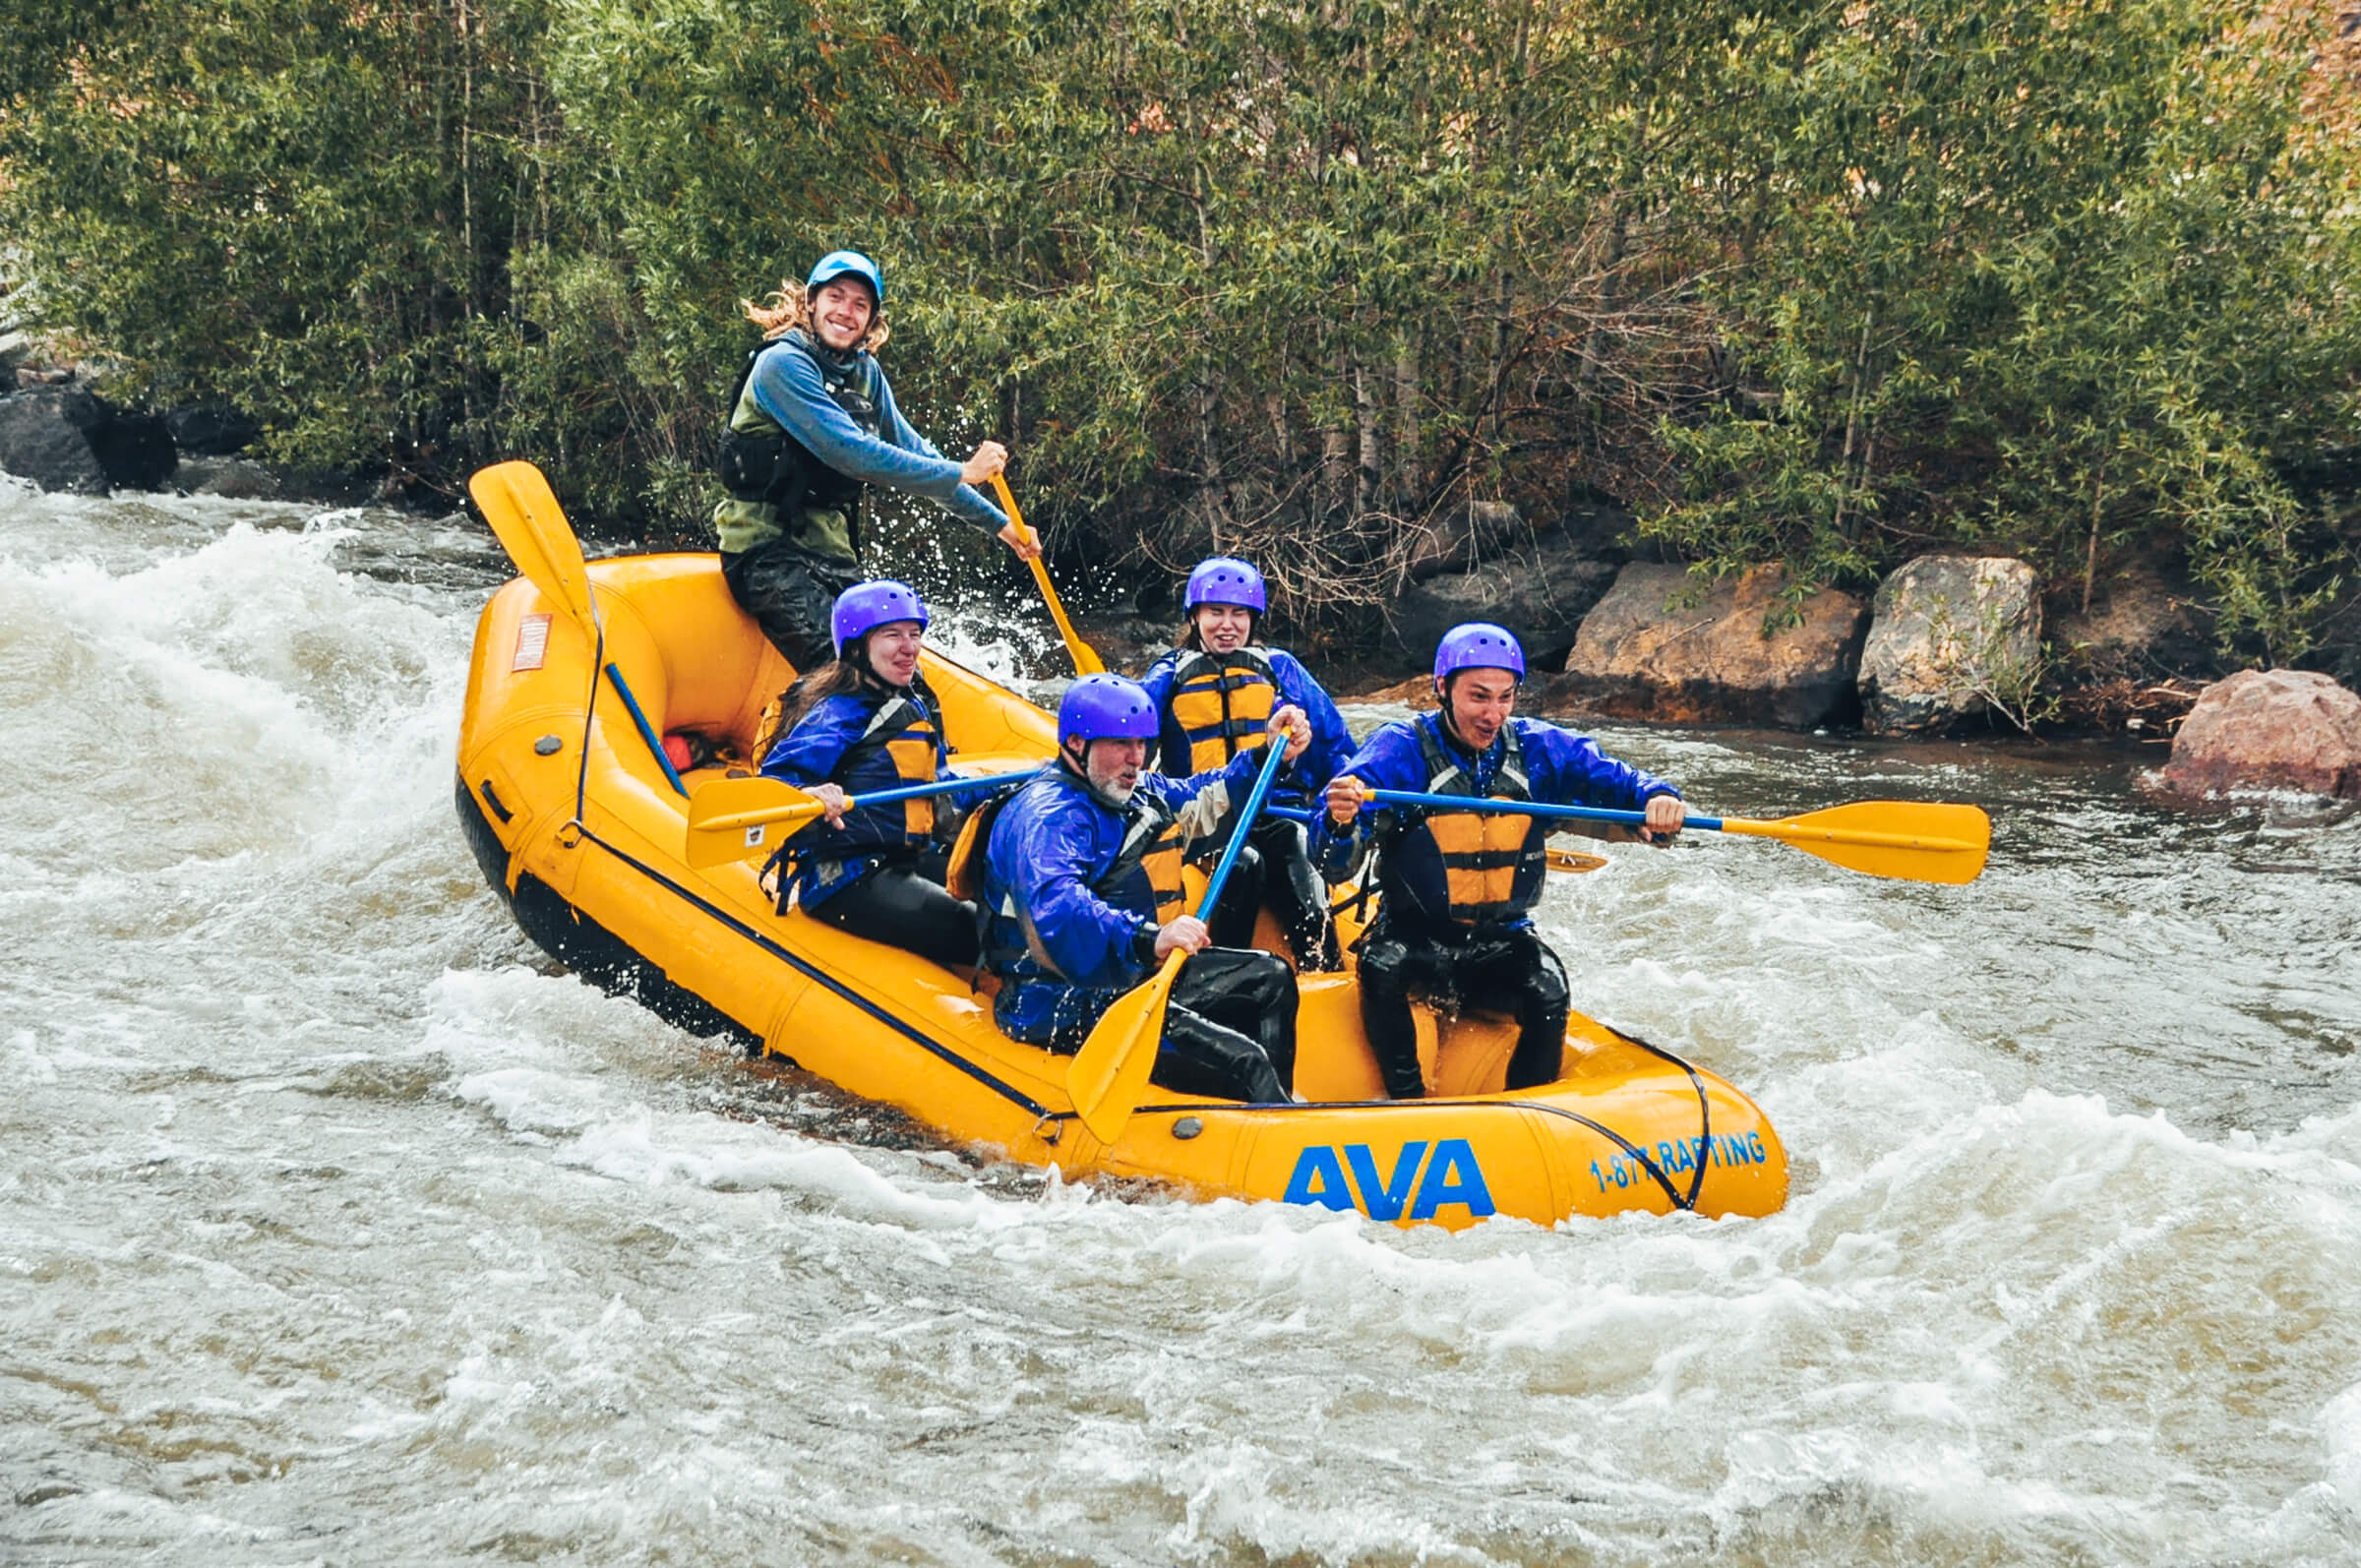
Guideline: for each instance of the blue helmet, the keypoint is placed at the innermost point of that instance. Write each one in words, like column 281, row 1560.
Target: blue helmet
column 847, row 264
column 1226, row 579
column 1100, row 707
column 866, row 606
column 1478, row 645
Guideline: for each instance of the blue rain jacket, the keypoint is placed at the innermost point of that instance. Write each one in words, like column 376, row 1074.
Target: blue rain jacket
column 825, row 747
column 1050, row 842
column 1561, row 768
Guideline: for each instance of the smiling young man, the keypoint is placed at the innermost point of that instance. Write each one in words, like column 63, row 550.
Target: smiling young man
column 1082, row 897
column 1458, row 887
column 812, row 425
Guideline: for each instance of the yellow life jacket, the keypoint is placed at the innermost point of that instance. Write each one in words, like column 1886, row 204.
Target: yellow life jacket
column 1219, row 705
column 1152, row 846
column 904, row 732
column 1471, row 867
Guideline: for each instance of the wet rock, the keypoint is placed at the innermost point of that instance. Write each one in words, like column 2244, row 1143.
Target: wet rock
column 15, row 349
column 212, row 429
column 1463, row 536
column 1656, row 648
column 1951, row 636
column 233, row 478
column 1540, row 594
column 135, row 450
column 2269, row 730
column 69, row 438
column 45, row 437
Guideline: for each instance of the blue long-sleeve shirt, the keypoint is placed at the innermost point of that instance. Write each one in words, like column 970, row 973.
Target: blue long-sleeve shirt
column 787, row 385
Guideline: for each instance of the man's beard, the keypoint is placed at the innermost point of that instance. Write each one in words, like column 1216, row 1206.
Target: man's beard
column 1109, row 784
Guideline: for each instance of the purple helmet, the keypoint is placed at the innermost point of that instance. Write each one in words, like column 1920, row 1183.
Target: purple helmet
column 1478, row 645
column 847, row 264
column 1101, row 708
column 1226, row 579
column 866, row 606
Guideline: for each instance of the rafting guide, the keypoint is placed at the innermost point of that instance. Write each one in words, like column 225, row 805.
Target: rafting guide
column 813, row 424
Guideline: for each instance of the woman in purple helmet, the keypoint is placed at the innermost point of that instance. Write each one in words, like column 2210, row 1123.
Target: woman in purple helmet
column 1454, row 924
column 812, row 425
column 1214, row 696
column 867, row 722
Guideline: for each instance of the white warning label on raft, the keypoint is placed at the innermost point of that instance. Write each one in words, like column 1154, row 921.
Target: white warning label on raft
column 532, row 643
column 754, row 837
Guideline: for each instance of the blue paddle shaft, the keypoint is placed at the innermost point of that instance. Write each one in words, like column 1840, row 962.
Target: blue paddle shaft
column 1467, row 803
column 940, row 786
column 648, row 731
column 1245, row 818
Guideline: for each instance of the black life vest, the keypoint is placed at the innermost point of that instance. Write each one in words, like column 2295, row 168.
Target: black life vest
column 1219, row 705
column 1468, row 868
column 761, row 463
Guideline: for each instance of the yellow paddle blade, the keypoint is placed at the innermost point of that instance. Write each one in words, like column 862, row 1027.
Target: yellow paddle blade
column 738, row 819
column 1920, row 841
column 1574, row 860
column 1110, row 1071
column 1086, row 658
column 532, row 529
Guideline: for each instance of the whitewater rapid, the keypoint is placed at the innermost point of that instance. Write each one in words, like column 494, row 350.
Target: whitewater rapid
column 338, row 1226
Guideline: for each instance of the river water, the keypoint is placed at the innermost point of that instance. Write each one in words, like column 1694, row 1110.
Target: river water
column 338, row 1227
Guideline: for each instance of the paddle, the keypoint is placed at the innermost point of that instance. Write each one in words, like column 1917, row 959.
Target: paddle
column 1560, row 860
column 1112, row 1068
column 1086, row 658
column 729, row 818
column 531, row 527
column 1919, row 841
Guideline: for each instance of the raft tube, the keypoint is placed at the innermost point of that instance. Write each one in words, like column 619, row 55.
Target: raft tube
column 575, row 822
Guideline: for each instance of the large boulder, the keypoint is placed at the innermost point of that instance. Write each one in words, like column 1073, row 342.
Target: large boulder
column 2269, row 730
column 1463, row 536
column 1540, row 594
column 45, row 437
column 65, row 438
column 231, row 478
column 1657, row 647
column 212, row 429
column 1951, row 636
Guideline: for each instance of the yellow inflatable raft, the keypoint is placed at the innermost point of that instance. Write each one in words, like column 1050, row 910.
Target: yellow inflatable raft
column 574, row 821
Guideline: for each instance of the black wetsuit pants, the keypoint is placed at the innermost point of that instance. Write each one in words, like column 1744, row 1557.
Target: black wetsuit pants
column 898, row 907
column 1508, row 971
column 1229, row 1028
column 791, row 592
column 1275, row 872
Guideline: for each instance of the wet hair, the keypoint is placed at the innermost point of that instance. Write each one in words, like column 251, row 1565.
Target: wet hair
column 839, row 677
column 788, row 309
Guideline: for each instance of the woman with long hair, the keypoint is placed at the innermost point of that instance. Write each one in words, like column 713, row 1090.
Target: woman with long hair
column 813, row 426
column 867, row 722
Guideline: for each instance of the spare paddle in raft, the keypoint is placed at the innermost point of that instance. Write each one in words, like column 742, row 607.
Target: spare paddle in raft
column 531, row 527
column 1919, row 841
column 730, row 818
column 1112, row 1068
